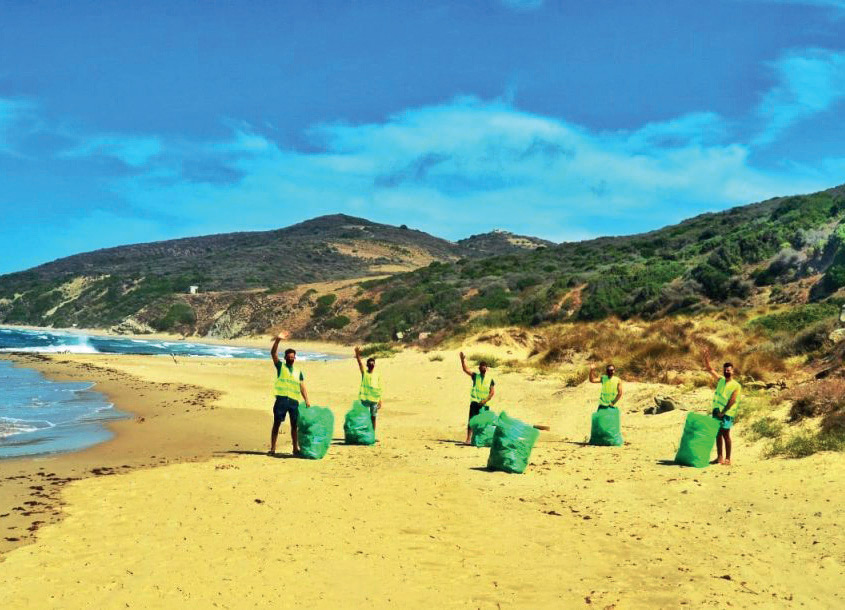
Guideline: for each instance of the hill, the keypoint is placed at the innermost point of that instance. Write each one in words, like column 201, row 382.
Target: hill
column 784, row 250
column 102, row 288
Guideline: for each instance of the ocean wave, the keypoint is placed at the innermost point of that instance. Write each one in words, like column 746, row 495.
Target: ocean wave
column 9, row 426
column 54, row 349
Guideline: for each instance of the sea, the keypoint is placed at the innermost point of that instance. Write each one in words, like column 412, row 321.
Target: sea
column 40, row 417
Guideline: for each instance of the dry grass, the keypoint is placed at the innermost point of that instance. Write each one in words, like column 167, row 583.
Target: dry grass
column 664, row 351
column 824, row 398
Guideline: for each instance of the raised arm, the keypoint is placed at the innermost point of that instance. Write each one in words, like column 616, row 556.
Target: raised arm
column 464, row 365
column 707, row 366
column 593, row 378
column 274, row 353
column 358, row 358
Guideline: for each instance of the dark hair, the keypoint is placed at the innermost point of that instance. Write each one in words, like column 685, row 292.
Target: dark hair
column 482, row 363
column 373, row 360
column 730, row 364
column 290, row 350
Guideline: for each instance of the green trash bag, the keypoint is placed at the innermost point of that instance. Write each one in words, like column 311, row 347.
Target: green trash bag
column 483, row 427
column 697, row 442
column 358, row 426
column 605, row 429
column 315, row 428
column 512, row 444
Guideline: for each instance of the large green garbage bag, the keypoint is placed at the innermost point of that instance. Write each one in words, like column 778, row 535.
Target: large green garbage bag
column 697, row 442
column 512, row 444
column 358, row 426
column 483, row 428
column 605, row 429
column 315, row 428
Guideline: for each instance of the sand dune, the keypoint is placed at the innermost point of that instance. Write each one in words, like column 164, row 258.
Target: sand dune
column 416, row 520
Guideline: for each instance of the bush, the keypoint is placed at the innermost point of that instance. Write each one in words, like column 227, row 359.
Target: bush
column 324, row 305
column 366, row 306
column 336, row 322
column 492, row 361
column 805, row 444
column 378, row 350
column 436, row 358
column 797, row 319
column 767, row 427
column 178, row 314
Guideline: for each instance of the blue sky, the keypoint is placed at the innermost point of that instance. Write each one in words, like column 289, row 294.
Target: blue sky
column 129, row 122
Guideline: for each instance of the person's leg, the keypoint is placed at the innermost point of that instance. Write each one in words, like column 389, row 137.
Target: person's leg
column 727, row 437
column 294, row 436
column 373, row 418
column 720, row 459
column 274, row 434
column 294, row 433
column 474, row 409
column 278, row 418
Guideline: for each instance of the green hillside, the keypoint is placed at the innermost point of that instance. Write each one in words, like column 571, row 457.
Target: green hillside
column 785, row 250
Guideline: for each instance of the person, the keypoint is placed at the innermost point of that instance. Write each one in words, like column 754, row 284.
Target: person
column 290, row 384
column 369, row 394
column 725, row 406
column 483, row 389
column 611, row 387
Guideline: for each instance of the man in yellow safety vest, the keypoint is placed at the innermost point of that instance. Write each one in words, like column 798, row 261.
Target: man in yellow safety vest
column 611, row 387
column 482, row 390
column 370, row 391
column 290, row 384
column 725, row 406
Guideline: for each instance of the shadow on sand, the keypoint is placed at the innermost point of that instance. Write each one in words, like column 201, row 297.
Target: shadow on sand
column 275, row 456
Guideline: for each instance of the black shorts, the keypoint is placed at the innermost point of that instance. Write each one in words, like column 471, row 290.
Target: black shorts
column 476, row 408
column 282, row 407
column 606, row 407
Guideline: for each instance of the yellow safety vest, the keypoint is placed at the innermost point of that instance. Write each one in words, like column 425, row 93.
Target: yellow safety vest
column 724, row 390
column 480, row 388
column 370, row 387
column 609, row 390
column 287, row 383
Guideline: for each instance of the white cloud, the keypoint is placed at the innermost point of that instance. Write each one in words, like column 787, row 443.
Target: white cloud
column 470, row 165
column 809, row 81
column 134, row 151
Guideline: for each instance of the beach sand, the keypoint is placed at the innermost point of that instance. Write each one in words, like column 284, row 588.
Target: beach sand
column 201, row 518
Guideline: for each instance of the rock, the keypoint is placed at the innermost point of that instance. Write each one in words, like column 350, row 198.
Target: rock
column 649, row 410
column 837, row 335
column 665, row 404
column 131, row 326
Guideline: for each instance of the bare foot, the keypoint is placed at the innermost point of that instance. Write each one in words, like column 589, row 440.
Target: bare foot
column 726, row 462
column 271, row 452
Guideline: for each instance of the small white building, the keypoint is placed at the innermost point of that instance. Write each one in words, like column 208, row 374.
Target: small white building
column 193, row 289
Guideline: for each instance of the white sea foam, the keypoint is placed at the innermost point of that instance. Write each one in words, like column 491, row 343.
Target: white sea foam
column 53, row 349
column 10, row 426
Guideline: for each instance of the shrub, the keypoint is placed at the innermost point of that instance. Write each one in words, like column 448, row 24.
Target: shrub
column 824, row 398
column 767, row 427
column 436, row 358
column 324, row 305
column 178, row 314
column 378, row 350
column 366, row 306
column 796, row 319
column 805, row 444
column 492, row 361
column 336, row 322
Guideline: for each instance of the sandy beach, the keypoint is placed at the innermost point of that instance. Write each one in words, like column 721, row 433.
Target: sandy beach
column 182, row 507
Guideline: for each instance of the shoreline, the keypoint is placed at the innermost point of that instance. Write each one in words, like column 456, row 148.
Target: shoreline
column 30, row 494
column 253, row 341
